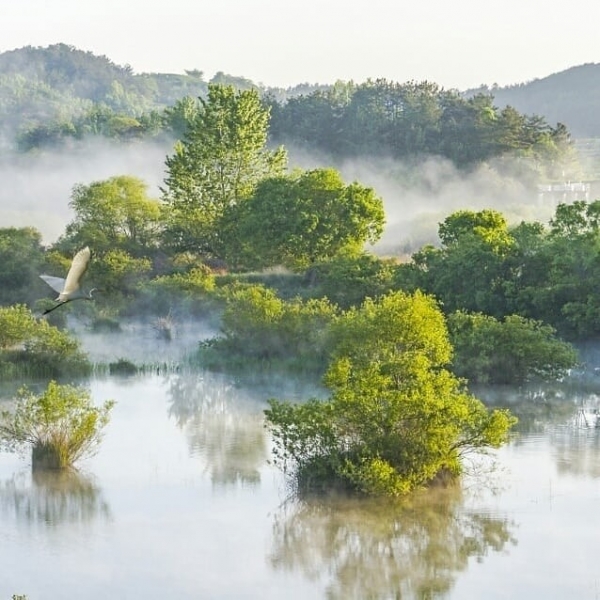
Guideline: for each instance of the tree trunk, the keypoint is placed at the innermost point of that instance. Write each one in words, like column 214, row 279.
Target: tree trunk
column 45, row 456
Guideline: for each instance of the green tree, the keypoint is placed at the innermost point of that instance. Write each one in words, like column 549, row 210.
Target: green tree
column 301, row 218
column 397, row 419
column 217, row 164
column 60, row 426
column 569, row 296
column 488, row 225
column 116, row 213
column 512, row 351
column 468, row 271
column 21, row 259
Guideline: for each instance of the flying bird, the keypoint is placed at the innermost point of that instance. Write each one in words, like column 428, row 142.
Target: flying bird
column 69, row 289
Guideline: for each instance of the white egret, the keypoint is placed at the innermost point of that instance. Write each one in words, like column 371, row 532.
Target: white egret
column 69, row 289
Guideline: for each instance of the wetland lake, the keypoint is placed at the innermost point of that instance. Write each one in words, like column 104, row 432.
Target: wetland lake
column 181, row 502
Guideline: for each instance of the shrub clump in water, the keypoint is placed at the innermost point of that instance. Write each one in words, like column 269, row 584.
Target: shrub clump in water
column 122, row 367
column 60, row 426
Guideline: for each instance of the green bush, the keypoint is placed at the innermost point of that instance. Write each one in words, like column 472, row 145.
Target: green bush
column 30, row 346
column 190, row 291
column 257, row 324
column 397, row 418
column 514, row 350
column 60, row 426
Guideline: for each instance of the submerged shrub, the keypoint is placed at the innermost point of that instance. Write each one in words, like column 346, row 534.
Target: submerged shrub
column 397, row 418
column 60, row 426
column 122, row 367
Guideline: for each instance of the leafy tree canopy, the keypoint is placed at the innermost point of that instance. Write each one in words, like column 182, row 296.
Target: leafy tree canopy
column 298, row 219
column 115, row 213
column 217, row 164
column 513, row 351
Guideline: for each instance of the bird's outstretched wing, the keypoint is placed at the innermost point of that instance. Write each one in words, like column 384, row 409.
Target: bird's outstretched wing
column 56, row 283
column 76, row 272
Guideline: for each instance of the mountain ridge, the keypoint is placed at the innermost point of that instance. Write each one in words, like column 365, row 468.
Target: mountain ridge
column 69, row 79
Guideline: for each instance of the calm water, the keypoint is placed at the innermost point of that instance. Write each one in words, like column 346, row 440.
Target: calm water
column 180, row 502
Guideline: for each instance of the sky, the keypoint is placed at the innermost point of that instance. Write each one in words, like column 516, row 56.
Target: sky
column 459, row 44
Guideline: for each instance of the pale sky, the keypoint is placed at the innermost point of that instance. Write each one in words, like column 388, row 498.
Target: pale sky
column 454, row 43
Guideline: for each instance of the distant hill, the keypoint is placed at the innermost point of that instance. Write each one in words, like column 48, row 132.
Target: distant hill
column 571, row 97
column 43, row 84
column 59, row 82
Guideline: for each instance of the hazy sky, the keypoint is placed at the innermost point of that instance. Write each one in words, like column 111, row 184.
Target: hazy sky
column 458, row 44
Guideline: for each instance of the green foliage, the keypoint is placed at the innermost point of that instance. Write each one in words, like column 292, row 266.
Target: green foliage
column 114, row 214
column 515, row 350
column 60, row 426
column 117, row 274
column 468, row 271
column 16, row 325
column 411, row 120
column 33, row 346
column 397, row 418
column 190, row 290
column 348, row 280
column 260, row 326
column 488, row 225
column 21, row 257
column 220, row 159
column 298, row 219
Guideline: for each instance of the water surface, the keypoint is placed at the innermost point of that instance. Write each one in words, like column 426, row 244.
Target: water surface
column 181, row 502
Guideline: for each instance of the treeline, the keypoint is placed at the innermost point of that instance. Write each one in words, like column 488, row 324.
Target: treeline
column 374, row 119
column 58, row 94
column 412, row 120
column 570, row 97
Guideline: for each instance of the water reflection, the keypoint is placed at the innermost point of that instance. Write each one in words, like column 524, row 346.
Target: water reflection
column 52, row 497
column 577, row 450
column 223, row 423
column 566, row 413
column 537, row 407
column 372, row 549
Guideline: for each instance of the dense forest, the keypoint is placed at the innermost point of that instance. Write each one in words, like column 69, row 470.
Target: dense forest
column 51, row 95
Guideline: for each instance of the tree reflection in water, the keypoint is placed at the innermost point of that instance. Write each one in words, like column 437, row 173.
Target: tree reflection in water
column 373, row 549
column 557, row 412
column 52, row 497
column 224, row 425
column 577, row 450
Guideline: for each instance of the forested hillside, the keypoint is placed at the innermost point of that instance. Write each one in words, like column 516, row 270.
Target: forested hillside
column 571, row 97
column 39, row 84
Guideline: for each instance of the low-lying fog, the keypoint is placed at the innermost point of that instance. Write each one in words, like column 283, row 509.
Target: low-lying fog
column 37, row 188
